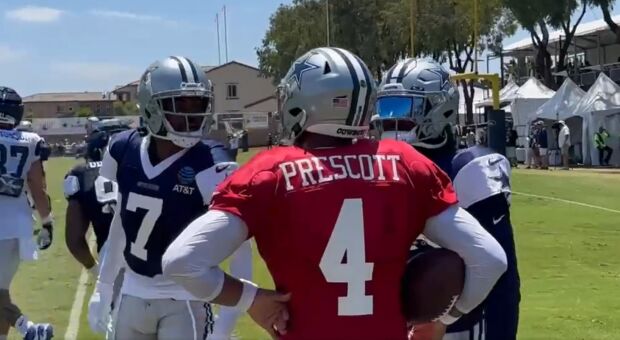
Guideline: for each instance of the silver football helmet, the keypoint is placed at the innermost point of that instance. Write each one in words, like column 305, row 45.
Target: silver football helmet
column 327, row 91
column 175, row 100
column 416, row 103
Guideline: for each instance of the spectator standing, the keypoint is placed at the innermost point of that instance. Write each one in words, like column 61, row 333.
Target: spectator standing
column 563, row 142
column 543, row 145
column 600, row 140
column 269, row 141
column 234, row 146
column 511, row 147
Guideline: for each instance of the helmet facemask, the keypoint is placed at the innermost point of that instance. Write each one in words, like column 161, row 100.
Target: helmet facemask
column 415, row 117
column 292, row 121
column 186, row 116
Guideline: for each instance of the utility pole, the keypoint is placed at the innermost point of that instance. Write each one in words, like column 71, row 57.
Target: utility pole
column 219, row 50
column 225, row 34
column 412, row 24
column 327, row 22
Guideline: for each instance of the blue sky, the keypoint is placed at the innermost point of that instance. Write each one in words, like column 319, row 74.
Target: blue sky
column 77, row 45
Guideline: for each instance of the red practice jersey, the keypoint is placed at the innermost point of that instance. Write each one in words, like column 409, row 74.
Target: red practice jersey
column 335, row 227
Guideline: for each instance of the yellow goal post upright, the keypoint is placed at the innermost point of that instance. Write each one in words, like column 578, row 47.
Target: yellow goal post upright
column 496, row 118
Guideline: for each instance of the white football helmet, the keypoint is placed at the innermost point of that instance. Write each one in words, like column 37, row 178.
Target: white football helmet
column 416, row 103
column 175, row 100
column 327, row 91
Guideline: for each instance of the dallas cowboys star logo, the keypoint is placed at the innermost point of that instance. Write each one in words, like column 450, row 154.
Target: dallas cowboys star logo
column 300, row 67
column 443, row 76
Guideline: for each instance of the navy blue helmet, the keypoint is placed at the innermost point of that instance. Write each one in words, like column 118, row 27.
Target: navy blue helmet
column 98, row 139
column 11, row 107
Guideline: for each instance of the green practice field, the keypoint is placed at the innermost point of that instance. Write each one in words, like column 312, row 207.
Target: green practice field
column 568, row 257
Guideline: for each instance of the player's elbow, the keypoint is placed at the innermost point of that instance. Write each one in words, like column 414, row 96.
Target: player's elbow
column 184, row 268
column 176, row 262
column 496, row 262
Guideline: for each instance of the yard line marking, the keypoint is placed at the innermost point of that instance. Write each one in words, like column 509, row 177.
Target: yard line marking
column 76, row 310
column 569, row 202
column 80, row 294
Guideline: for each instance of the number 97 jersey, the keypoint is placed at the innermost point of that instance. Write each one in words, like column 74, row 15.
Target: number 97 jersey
column 18, row 151
column 334, row 227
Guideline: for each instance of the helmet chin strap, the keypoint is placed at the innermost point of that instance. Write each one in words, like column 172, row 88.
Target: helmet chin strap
column 180, row 141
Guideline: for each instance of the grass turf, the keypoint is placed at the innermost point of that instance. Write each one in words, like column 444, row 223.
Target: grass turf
column 567, row 257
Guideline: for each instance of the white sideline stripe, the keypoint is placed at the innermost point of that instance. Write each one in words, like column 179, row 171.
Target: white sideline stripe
column 569, row 202
column 76, row 310
column 78, row 301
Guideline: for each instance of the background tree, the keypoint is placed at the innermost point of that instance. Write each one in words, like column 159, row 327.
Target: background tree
column 607, row 7
column 379, row 32
column 451, row 36
column 537, row 17
column 125, row 108
column 376, row 30
column 293, row 29
column 84, row 111
column 560, row 18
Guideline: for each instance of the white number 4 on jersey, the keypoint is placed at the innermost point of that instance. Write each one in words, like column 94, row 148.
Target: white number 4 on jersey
column 347, row 238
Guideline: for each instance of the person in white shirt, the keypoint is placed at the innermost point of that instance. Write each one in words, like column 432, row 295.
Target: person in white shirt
column 563, row 142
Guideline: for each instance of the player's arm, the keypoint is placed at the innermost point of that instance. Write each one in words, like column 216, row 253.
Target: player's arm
column 240, row 267
column 77, row 223
column 193, row 260
column 36, row 184
column 42, row 203
column 485, row 261
column 111, row 263
column 112, row 259
column 75, row 236
column 453, row 228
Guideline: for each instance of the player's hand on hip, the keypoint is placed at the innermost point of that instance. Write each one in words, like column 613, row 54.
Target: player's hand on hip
column 269, row 310
column 45, row 235
column 428, row 331
column 99, row 307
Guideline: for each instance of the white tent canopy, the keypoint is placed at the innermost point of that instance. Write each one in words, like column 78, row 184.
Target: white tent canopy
column 506, row 92
column 599, row 107
column 562, row 104
column 524, row 102
column 603, row 95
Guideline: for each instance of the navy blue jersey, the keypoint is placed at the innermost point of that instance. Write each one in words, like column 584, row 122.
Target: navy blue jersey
column 158, row 201
column 95, row 194
column 481, row 179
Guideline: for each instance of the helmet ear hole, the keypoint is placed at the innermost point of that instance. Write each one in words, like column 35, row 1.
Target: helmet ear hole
column 327, row 69
column 295, row 111
column 448, row 113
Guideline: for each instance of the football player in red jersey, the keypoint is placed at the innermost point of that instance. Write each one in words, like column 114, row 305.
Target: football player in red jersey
column 334, row 216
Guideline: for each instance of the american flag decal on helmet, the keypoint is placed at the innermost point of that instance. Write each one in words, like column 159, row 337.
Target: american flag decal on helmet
column 341, row 102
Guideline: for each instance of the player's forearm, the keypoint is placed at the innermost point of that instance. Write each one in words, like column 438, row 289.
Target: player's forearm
column 193, row 259
column 75, row 234
column 80, row 251
column 240, row 267
column 485, row 260
column 112, row 260
column 42, row 203
column 36, row 184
